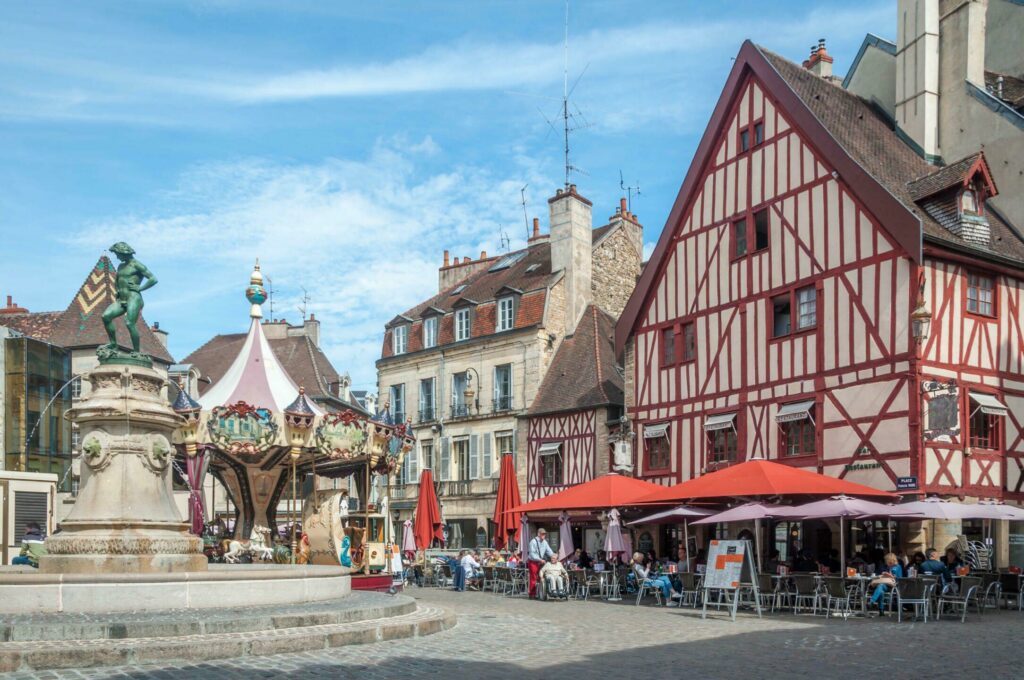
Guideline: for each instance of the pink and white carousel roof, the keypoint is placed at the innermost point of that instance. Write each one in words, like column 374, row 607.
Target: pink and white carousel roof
column 255, row 376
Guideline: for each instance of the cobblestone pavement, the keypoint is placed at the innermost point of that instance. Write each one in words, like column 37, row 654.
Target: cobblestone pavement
column 501, row 638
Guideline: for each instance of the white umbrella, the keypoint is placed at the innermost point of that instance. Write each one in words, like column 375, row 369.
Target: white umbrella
column 613, row 542
column 565, row 546
column 408, row 538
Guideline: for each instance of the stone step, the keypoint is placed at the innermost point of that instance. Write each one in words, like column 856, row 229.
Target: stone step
column 357, row 606
column 54, row 654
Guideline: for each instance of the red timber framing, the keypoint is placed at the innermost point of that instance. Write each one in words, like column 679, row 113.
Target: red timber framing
column 577, row 434
column 834, row 230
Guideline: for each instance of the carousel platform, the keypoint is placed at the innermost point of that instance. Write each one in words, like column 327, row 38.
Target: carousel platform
column 36, row 642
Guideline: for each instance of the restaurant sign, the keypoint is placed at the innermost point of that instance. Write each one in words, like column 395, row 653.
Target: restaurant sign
column 906, row 483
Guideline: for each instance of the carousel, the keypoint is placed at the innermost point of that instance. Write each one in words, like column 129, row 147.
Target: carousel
column 259, row 435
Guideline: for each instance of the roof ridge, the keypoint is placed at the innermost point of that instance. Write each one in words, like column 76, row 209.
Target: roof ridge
column 597, row 353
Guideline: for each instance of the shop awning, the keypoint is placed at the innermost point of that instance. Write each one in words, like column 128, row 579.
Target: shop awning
column 988, row 404
column 722, row 421
column 550, row 449
column 800, row 410
column 655, row 431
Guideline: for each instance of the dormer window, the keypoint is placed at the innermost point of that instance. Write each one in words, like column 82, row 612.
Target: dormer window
column 506, row 313
column 462, row 324
column 969, row 202
column 400, row 340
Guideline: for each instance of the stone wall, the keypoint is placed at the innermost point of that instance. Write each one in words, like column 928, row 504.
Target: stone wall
column 616, row 267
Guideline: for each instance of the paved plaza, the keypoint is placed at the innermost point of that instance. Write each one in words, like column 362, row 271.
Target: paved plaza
column 498, row 637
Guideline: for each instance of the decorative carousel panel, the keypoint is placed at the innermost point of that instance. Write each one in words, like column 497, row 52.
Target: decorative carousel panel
column 241, row 430
column 341, row 435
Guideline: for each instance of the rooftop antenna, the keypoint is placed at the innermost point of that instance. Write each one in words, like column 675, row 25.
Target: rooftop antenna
column 522, row 201
column 270, row 295
column 305, row 302
column 506, row 243
column 629, row 192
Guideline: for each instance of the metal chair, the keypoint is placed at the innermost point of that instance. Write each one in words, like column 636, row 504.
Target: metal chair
column 991, row 590
column 970, row 590
column 916, row 592
column 1010, row 589
column 805, row 589
column 648, row 587
column 518, row 583
column 487, row 580
column 691, row 589
column 768, row 590
column 837, row 597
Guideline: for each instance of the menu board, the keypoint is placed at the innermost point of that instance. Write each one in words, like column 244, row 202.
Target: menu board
column 725, row 564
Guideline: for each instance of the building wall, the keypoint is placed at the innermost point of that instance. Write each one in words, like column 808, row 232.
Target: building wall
column 616, row 267
column 1004, row 23
column 855, row 363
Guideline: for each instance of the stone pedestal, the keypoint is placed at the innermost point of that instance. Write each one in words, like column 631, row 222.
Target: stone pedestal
column 124, row 519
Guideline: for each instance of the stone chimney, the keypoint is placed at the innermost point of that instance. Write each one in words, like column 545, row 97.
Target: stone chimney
column 820, row 62
column 311, row 328
column 571, row 240
column 12, row 308
column 160, row 333
column 452, row 272
column 536, row 236
column 917, row 74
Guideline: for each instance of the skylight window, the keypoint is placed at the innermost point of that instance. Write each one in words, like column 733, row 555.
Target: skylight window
column 507, row 261
column 533, row 267
column 459, row 289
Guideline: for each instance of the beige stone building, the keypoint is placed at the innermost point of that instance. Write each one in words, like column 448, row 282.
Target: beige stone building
column 465, row 365
column 953, row 84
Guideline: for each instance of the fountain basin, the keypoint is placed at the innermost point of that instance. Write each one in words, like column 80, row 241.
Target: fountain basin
column 26, row 590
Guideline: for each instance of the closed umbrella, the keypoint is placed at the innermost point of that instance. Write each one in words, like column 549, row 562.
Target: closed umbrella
column 843, row 507
column 613, row 542
column 408, row 539
column 524, row 535
column 427, row 526
column 506, row 519
column 565, row 546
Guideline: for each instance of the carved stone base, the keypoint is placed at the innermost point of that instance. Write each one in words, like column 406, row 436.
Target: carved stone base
column 139, row 550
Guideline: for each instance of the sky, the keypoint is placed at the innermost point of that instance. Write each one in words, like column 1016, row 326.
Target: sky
column 347, row 144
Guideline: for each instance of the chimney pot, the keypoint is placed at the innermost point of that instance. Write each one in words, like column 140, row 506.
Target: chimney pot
column 558, row 192
column 10, row 301
column 446, row 258
column 483, row 254
column 536, row 227
column 572, row 188
column 456, row 262
column 622, row 205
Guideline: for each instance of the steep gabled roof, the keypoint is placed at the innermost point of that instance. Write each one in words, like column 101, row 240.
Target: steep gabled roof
column 81, row 324
column 858, row 142
column 584, row 373
column 951, row 175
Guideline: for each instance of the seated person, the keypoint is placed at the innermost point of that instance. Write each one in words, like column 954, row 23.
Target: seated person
column 556, row 578
column 952, row 560
column 933, row 566
column 32, row 546
column 893, row 570
column 471, row 569
column 585, row 561
column 831, row 561
column 513, row 560
column 771, row 566
column 804, row 561
column 645, row 577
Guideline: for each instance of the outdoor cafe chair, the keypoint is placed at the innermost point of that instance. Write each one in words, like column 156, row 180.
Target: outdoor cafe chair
column 837, row 597
column 518, row 583
column 691, row 588
column 916, row 592
column 499, row 579
column 647, row 587
column 768, row 590
column 991, row 590
column 1010, row 590
column 805, row 588
column 488, row 578
column 970, row 592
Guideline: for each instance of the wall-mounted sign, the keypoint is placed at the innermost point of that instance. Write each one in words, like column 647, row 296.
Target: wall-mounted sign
column 862, row 466
column 906, row 483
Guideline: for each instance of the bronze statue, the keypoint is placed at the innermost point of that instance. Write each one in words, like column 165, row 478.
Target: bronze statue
column 130, row 276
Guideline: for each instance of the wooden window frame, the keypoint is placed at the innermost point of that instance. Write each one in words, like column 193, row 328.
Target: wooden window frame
column 803, row 424
column 436, row 322
column 668, row 360
column 751, row 129
column 469, row 323
column 511, row 302
column 996, row 423
column 649, row 466
column 734, row 230
column 403, row 332
column 794, row 313
column 680, row 346
column 995, row 295
column 749, row 220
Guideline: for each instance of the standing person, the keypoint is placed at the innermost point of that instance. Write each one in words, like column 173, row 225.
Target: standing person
column 32, row 546
column 539, row 552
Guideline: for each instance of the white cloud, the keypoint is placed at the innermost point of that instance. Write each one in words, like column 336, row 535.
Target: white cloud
column 363, row 237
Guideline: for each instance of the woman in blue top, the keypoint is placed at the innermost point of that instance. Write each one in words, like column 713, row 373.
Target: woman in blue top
column 893, row 569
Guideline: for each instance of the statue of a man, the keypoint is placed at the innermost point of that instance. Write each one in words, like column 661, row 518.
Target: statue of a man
column 130, row 276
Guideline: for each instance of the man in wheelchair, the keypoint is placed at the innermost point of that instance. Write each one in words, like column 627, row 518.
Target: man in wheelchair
column 556, row 579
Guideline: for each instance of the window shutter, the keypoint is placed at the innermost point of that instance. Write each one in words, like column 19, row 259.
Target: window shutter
column 414, row 464
column 474, row 457
column 29, row 506
column 445, row 459
column 488, row 457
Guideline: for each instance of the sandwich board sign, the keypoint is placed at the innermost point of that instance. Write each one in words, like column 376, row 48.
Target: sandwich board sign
column 730, row 567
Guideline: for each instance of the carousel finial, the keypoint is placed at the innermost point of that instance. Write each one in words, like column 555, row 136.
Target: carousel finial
column 255, row 293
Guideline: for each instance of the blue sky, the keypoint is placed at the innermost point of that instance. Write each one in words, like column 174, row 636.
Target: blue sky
column 345, row 144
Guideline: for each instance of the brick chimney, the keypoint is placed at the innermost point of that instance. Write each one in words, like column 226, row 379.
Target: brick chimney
column 820, row 62
column 160, row 333
column 12, row 308
column 459, row 269
column 571, row 250
column 311, row 327
column 536, row 236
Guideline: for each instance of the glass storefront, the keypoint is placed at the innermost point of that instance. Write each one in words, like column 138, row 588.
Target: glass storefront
column 37, row 436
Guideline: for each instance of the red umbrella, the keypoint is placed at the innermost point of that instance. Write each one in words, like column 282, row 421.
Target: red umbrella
column 605, row 492
column 428, row 515
column 508, row 498
column 760, row 478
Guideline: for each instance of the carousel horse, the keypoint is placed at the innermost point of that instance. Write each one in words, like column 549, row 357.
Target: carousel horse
column 256, row 546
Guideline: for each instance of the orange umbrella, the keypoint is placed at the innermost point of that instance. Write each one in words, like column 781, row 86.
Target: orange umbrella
column 602, row 493
column 427, row 526
column 760, row 478
column 508, row 498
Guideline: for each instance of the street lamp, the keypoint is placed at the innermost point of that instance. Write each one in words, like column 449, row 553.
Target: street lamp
column 469, row 393
column 298, row 417
column 922, row 320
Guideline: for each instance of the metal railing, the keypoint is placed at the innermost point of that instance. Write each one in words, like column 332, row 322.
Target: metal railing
column 503, row 403
column 460, row 410
column 427, row 414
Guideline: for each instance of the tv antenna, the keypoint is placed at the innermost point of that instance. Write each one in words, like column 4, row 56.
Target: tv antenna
column 629, row 192
column 526, row 220
column 506, row 243
column 270, row 295
column 305, row 302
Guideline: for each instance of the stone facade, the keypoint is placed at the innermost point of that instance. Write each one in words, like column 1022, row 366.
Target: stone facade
column 617, row 263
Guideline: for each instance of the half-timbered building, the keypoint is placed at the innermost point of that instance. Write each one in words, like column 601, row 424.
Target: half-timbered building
column 823, row 296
